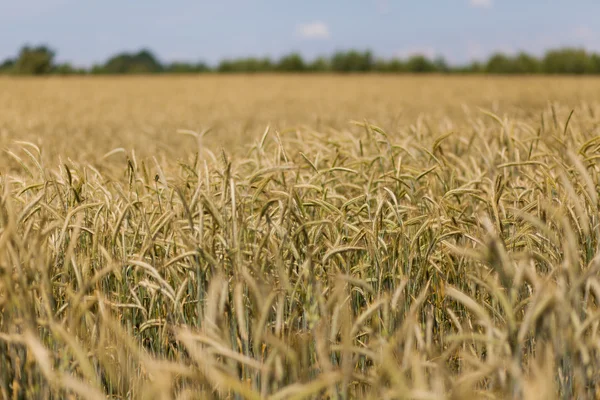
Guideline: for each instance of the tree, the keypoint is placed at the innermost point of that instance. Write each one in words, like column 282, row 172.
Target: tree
column 595, row 60
column 186, row 68
column 499, row 63
column 352, row 61
column 394, row 65
column 34, row 61
column 522, row 63
column 419, row 64
column 40, row 60
column 291, row 63
column 97, row 69
column 441, row 65
column 568, row 61
column 380, row 65
column 64, row 69
column 526, row 64
column 476, row 67
column 7, row 66
column 320, row 64
column 248, row 65
column 143, row 62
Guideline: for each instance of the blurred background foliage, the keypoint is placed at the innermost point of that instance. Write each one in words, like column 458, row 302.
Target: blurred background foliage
column 40, row 60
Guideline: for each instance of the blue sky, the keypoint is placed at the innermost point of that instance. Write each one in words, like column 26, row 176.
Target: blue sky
column 84, row 32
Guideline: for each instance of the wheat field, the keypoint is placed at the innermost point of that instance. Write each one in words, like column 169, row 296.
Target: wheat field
column 300, row 237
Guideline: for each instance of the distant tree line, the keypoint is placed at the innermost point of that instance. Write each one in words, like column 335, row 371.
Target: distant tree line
column 40, row 60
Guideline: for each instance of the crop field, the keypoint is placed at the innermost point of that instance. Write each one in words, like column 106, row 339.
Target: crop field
column 300, row 237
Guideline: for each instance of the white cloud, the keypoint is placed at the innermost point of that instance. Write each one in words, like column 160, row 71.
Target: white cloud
column 481, row 3
column 313, row 30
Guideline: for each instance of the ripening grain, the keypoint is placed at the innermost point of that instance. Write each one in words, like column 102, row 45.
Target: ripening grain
column 331, row 237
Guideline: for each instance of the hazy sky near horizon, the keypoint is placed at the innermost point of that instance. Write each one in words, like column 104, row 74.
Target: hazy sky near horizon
column 86, row 32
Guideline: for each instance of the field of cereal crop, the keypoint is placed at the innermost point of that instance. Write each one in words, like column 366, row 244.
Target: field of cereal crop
column 291, row 237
